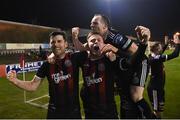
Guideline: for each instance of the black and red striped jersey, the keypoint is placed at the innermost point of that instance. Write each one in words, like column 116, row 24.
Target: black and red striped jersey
column 98, row 87
column 63, row 79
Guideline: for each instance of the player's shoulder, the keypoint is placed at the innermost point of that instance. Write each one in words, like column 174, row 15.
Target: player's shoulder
column 113, row 31
column 45, row 64
column 115, row 34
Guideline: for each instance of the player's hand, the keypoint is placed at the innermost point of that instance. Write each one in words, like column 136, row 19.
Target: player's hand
column 75, row 32
column 51, row 59
column 143, row 34
column 85, row 45
column 11, row 75
column 107, row 48
column 111, row 56
column 176, row 38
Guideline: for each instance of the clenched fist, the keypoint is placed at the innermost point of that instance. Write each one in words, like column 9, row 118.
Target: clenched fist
column 11, row 75
column 75, row 32
column 143, row 33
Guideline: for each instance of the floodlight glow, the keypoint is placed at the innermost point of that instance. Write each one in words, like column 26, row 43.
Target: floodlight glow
column 110, row 0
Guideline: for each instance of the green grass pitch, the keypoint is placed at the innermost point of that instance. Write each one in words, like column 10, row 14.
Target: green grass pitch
column 12, row 104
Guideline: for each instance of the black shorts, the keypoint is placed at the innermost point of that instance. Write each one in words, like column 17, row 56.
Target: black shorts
column 156, row 94
column 98, row 111
column 63, row 113
column 140, row 74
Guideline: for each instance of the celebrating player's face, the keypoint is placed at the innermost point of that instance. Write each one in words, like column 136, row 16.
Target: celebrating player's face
column 95, row 43
column 156, row 48
column 58, row 45
column 97, row 25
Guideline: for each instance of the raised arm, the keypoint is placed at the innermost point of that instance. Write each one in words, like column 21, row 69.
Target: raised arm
column 25, row 85
column 130, row 60
column 174, row 54
column 125, row 44
column 138, row 53
column 75, row 38
column 144, row 35
column 166, row 43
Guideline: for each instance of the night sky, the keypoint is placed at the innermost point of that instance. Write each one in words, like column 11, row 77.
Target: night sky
column 161, row 16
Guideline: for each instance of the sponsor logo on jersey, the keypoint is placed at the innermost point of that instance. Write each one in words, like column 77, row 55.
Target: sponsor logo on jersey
column 92, row 80
column 57, row 77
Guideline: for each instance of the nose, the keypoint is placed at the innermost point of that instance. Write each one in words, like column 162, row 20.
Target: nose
column 56, row 43
column 96, row 41
column 91, row 25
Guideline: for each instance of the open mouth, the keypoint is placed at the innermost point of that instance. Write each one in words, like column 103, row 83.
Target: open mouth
column 56, row 50
column 96, row 48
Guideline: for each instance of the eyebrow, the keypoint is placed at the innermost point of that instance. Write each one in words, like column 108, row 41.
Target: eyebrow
column 93, row 39
column 94, row 22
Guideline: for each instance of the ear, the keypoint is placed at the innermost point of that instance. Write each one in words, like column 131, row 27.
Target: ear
column 105, row 27
column 66, row 44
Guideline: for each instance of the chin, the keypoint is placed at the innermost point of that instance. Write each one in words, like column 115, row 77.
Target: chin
column 96, row 54
column 57, row 53
column 95, row 30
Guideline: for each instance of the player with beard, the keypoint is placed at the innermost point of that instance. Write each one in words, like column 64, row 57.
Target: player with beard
column 101, row 24
column 98, row 71
column 63, row 79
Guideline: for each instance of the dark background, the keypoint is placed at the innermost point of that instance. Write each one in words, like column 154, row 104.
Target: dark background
column 161, row 16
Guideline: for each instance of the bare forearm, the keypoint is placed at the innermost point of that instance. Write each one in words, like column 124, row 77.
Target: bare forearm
column 78, row 45
column 25, row 85
column 133, row 48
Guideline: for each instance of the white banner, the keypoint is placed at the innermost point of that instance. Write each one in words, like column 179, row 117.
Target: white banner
column 29, row 66
column 10, row 46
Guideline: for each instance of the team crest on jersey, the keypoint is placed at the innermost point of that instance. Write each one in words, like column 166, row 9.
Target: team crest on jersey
column 101, row 67
column 68, row 63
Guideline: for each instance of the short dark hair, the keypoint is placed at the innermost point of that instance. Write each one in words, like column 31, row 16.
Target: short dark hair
column 105, row 19
column 155, row 44
column 92, row 33
column 63, row 33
